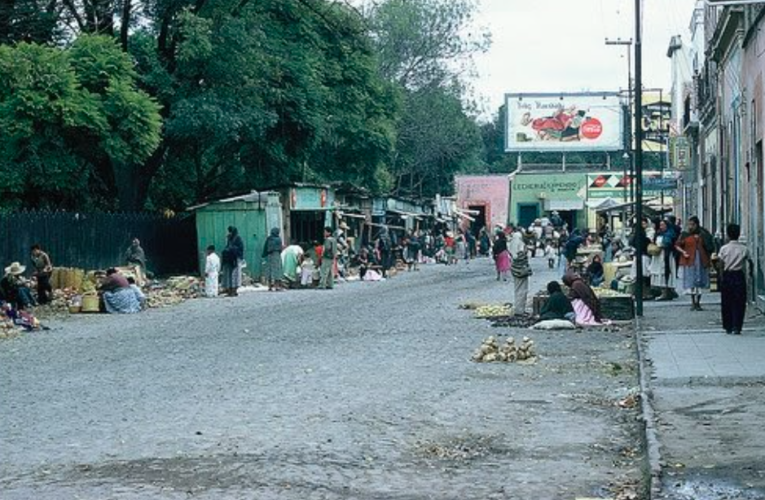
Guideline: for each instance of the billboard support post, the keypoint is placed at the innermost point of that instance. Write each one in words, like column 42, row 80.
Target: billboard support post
column 640, row 232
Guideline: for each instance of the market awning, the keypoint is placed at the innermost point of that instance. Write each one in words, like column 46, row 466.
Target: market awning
column 352, row 216
column 463, row 215
column 406, row 215
column 604, row 204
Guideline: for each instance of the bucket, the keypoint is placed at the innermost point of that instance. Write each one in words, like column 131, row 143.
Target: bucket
column 90, row 304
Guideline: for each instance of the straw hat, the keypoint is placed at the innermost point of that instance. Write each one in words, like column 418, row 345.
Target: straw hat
column 344, row 226
column 15, row 269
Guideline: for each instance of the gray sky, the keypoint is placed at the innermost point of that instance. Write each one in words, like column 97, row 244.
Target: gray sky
column 559, row 45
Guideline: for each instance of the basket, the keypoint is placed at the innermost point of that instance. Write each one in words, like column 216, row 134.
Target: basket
column 90, row 304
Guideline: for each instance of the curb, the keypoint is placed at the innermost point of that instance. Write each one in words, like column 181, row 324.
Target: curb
column 648, row 416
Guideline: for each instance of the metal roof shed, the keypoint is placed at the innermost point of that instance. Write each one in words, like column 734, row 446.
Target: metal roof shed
column 253, row 214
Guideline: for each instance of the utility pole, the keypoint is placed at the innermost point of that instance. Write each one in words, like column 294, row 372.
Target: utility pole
column 640, row 232
column 628, row 45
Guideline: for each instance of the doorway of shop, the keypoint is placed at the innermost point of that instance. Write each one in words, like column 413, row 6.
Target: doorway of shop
column 527, row 213
column 307, row 226
column 478, row 212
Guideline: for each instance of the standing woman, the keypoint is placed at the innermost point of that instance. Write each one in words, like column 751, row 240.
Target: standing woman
column 272, row 253
column 663, row 267
column 501, row 256
column 521, row 271
column 695, row 246
column 461, row 246
column 233, row 255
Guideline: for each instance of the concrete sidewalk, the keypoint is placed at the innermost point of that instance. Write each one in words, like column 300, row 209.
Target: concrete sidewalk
column 708, row 391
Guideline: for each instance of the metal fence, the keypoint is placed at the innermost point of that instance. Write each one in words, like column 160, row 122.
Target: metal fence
column 100, row 240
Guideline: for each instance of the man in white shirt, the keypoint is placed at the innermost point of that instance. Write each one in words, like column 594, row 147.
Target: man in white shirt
column 733, row 259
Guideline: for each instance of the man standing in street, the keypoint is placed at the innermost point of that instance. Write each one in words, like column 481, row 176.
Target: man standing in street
column 43, row 272
column 733, row 259
column 328, row 260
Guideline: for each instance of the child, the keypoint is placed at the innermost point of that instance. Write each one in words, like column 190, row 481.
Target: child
column 212, row 270
column 550, row 254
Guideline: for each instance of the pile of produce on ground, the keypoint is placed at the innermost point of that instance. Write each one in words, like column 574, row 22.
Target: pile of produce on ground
column 516, row 321
column 173, row 291
column 494, row 311
column 491, row 351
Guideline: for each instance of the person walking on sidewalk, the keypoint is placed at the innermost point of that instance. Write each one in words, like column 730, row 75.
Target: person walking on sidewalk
column 733, row 260
column 328, row 260
column 695, row 246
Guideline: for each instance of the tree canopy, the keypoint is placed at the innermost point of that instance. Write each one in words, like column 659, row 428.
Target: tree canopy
column 131, row 104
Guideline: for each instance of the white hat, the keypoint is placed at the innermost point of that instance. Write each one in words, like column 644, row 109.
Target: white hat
column 15, row 269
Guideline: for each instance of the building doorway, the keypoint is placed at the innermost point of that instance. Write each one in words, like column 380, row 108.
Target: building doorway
column 480, row 221
column 307, row 226
column 527, row 214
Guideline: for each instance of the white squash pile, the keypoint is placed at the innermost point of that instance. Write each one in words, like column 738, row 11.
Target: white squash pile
column 494, row 311
column 492, row 352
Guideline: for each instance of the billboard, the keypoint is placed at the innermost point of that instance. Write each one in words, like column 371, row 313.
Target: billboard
column 564, row 122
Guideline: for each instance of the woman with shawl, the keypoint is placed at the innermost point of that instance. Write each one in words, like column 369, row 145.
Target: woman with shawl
column 272, row 253
column 583, row 299
column 232, row 257
column 695, row 247
column 501, row 256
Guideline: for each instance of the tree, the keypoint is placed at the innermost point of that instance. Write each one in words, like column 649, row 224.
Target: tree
column 74, row 121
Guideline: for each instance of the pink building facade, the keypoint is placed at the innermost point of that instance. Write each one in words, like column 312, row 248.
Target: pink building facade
column 488, row 195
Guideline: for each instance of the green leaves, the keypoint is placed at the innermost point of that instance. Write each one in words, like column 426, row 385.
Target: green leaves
column 70, row 117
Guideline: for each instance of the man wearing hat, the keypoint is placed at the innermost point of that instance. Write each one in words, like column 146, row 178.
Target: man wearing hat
column 13, row 287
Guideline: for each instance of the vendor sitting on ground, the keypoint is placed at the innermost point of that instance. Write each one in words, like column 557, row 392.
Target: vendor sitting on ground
column 557, row 306
column 14, row 289
column 119, row 297
column 586, row 304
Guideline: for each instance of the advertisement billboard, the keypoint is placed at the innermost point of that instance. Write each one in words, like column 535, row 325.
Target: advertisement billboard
column 657, row 120
column 564, row 122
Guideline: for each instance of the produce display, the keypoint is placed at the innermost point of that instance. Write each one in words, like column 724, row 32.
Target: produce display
column 492, row 352
column 608, row 293
column 494, row 311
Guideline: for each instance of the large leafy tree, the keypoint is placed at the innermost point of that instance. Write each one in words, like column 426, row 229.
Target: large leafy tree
column 425, row 47
column 74, row 123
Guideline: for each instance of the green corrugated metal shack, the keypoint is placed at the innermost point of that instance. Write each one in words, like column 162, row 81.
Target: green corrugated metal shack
column 253, row 214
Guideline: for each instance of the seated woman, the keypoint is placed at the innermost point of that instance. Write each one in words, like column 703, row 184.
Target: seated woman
column 119, row 297
column 557, row 306
column 583, row 299
column 595, row 271
column 14, row 288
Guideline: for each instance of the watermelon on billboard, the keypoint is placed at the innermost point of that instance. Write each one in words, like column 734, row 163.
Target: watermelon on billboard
column 564, row 122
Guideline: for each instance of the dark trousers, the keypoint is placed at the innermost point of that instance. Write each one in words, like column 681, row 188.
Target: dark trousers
column 733, row 291
column 43, row 289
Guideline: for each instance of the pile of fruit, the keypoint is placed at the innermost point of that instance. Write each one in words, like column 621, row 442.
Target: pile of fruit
column 7, row 329
column 491, row 351
column 494, row 311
